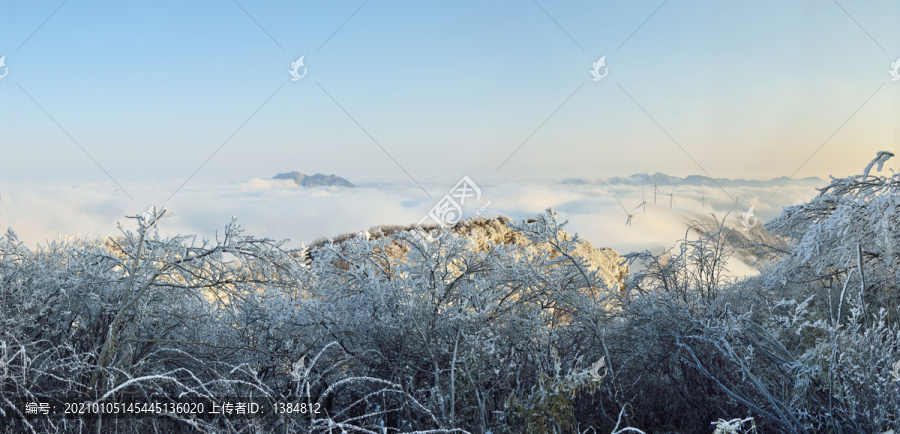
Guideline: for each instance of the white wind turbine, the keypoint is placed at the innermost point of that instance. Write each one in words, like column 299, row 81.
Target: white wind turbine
column 643, row 201
column 630, row 215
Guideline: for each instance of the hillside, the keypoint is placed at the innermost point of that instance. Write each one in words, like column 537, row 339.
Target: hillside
column 484, row 232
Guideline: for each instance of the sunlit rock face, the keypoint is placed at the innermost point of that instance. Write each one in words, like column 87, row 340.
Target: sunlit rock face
column 482, row 232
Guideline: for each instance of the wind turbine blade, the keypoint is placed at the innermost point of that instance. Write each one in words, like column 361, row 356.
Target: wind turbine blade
column 620, row 204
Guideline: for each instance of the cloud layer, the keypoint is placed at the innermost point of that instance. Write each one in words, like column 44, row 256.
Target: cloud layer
column 282, row 210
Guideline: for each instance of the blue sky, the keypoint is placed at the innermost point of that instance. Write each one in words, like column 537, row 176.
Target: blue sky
column 152, row 89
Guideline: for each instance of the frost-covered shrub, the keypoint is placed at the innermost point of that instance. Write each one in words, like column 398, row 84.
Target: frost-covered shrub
column 694, row 271
column 135, row 317
column 462, row 328
column 852, row 228
column 400, row 330
column 844, row 263
column 549, row 407
column 808, row 345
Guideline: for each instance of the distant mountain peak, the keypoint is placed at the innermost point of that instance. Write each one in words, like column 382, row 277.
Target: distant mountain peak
column 693, row 180
column 317, row 180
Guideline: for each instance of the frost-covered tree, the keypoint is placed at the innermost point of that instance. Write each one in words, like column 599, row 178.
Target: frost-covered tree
column 809, row 344
column 850, row 230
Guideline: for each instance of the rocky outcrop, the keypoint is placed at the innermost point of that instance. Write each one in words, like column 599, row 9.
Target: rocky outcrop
column 317, row 180
column 483, row 232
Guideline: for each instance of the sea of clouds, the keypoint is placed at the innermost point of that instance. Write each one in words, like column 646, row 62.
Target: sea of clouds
column 280, row 209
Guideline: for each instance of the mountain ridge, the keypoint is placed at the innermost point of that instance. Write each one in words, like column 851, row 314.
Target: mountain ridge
column 317, row 180
column 659, row 178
